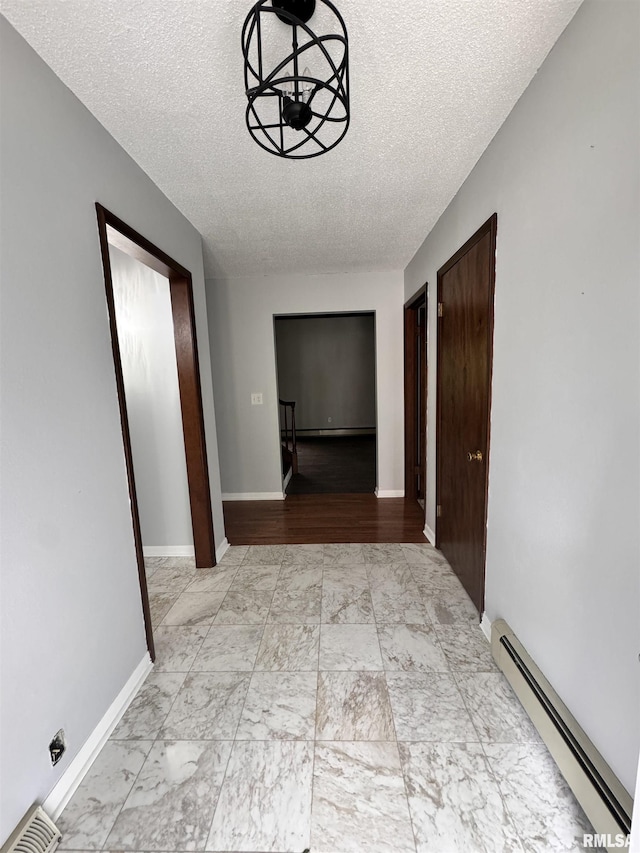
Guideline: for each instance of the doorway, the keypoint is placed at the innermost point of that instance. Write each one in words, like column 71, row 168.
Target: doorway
column 465, row 347
column 115, row 233
column 327, row 392
column 415, row 397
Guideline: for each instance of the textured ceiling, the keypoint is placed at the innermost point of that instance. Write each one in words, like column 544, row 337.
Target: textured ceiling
column 431, row 83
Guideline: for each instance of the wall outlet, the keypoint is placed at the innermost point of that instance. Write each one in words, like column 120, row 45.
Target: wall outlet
column 256, row 398
column 57, row 747
column 329, row 420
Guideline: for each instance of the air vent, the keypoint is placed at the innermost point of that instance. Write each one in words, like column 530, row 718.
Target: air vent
column 36, row 833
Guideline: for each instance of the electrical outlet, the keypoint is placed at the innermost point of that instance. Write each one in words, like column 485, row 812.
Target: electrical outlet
column 256, row 399
column 329, row 420
column 57, row 747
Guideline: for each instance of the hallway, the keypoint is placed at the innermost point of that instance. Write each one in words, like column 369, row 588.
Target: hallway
column 338, row 697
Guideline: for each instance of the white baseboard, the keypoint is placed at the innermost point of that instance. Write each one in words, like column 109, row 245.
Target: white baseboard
column 389, row 493
column 168, row 551
column 68, row 783
column 431, row 536
column 485, row 626
column 253, row 496
column 222, row 549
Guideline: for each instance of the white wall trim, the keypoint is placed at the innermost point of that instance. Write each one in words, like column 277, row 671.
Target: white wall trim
column 485, row 626
column 253, row 496
column 68, row 783
column 389, row 493
column 222, row 549
column 287, row 479
column 168, row 551
column 429, row 533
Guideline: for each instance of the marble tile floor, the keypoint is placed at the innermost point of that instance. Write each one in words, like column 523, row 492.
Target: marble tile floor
column 337, row 698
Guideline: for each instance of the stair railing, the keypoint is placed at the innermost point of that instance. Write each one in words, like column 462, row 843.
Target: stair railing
column 288, row 439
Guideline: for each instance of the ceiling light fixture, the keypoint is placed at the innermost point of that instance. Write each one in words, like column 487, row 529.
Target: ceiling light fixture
column 290, row 113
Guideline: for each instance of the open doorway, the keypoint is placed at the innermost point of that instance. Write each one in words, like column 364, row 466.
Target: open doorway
column 139, row 297
column 415, row 397
column 327, row 390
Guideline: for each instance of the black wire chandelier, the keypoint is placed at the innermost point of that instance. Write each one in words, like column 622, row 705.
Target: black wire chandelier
column 297, row 82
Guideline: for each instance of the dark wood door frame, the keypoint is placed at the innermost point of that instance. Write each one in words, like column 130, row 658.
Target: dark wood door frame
column 411, row 413
column 115, row 232
column 490, row 228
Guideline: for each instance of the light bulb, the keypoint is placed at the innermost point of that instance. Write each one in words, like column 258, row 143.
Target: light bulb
column 306, row 86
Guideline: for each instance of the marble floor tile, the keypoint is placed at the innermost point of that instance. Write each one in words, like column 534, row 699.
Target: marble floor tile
column 454, row 800
column 353, row 573
column 160, row 603
column 359, row 801
column 291, row 648
column 279, row 706
column 353, row 706
column 295, row 578
column 231, row 648
column 342, row 554
column 437, row 575
column 382, row 553
column 170, row 580
column 446, row 607
column 349, row 647
column 265, row 555
column 495, row 709
column 466, row 648
column 393, row 605
column 411, row 648
column 234, row 555
column 218, row 579
column 267, row 790
column 188, row 563
column 207, row 707
column 173, row 800
column 146, row 714
column 256, row 577
column 345, row 601
column 303, row 555
column 244, row 607
column 194, row 608
column 296, row 607
column 419, row 554
column 90, row 814
column 396, row 576
column 544, row 810
column 429, row 707
column 177, row 646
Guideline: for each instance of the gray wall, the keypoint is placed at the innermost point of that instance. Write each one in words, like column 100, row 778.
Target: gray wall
column 71, row 619
column 563, row 547
column 241, row 312
column 327, row 365
column 150, row 373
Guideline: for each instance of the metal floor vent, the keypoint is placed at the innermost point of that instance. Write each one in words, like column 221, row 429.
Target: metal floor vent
column 36, row 833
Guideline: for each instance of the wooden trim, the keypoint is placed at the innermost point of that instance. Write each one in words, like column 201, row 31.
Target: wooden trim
column 489, row 227
column 113, row 231
column 411, row 307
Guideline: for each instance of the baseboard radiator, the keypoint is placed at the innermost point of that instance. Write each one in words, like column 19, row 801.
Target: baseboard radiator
column 603, row 798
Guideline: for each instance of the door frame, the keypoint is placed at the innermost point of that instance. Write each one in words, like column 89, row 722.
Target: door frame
column 411, row 414
column 489, row 227
column 113, row 231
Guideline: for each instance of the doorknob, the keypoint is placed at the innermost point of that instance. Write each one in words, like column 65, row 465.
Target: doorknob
column 474, row 457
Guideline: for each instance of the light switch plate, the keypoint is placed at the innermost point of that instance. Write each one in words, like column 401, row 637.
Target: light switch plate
column 256, row 399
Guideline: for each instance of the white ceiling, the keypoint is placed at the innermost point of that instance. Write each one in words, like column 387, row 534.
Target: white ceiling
column 431, row 83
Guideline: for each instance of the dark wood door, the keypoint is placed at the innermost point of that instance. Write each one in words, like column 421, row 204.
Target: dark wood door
column 415, row 396
column 465, row 338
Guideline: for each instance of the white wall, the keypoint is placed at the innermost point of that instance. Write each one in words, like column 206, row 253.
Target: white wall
column 150, row 373
column 563, row 550
column 327, row 365
column 241, row 312
column 71, row 619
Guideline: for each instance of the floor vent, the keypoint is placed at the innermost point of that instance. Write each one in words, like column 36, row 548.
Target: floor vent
column 598, row 790
column 36, row 833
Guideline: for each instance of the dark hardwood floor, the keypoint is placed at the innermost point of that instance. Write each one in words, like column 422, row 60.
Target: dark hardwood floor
column 335, row 465
column 323, row 519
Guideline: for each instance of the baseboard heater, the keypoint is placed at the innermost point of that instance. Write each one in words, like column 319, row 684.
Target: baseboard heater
column 602, row 796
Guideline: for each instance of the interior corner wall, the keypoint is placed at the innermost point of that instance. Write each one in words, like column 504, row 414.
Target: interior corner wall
column 150, row 374
column 241, row 318
column 562, row 537
column 71, row 617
